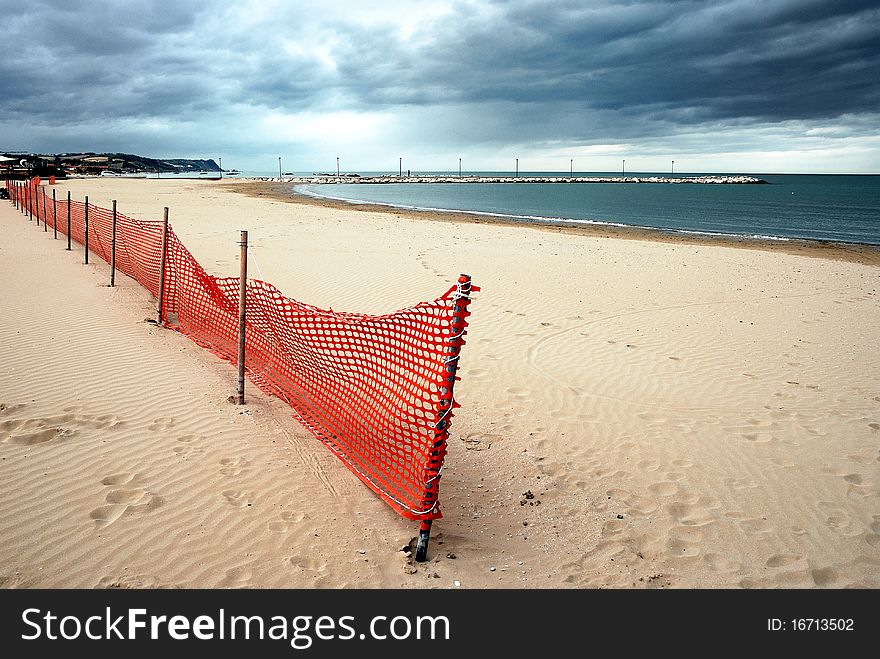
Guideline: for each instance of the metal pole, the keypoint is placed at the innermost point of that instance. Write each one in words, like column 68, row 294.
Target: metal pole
column 113, row 248
column 279, row 166
column 86, row 232
column 673, row 169
column 459, row 168
column 571, row 168
column 453, row 348
column 221, row 167
column 517, row 166
column 45, row 212
column 68, row 220
column 54, row 215
column 30, row 194
column 337, row 166
column 242, row 291
column 159, row 307
column 400, row 167
column 624, row 168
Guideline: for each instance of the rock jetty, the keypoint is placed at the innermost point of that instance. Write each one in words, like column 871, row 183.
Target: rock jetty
column 675, row 180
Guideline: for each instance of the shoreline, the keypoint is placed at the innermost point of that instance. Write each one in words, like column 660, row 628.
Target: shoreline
column 838, row 251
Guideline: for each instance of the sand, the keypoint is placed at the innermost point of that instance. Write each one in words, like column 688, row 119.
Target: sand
column 636, row 412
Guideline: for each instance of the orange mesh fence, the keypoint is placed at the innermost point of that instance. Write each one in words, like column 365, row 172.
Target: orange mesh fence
column 375, row 389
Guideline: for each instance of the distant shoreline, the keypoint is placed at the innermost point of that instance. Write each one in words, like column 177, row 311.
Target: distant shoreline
column 839, row 251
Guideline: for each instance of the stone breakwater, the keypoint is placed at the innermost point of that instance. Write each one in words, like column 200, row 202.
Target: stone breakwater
column 676, row 180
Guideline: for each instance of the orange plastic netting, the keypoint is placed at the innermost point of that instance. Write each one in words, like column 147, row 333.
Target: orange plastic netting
column 377, row 390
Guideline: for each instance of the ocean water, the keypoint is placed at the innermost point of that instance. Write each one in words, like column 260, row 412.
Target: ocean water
column 840, row 208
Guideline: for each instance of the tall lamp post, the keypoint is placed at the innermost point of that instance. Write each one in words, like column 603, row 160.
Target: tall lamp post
column 571, row 167
column 337, row 166
column 279, row 166
column 673, row 169
column 221, row 167
column 624, row 168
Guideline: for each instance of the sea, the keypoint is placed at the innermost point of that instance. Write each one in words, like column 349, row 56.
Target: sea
column 820, row 207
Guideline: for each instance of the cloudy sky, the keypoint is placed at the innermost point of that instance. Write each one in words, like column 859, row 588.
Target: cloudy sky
column 728, row 86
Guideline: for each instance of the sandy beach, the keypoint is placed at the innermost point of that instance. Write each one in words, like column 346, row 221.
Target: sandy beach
column 637, row 411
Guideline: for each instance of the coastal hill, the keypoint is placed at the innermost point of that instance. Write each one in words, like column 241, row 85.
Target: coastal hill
column 22, row 165
column 131, row 163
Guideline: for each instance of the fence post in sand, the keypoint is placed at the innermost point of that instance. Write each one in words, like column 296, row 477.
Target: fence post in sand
column 453, row 348
column 113, row 248
column 30, row 196
column 54, row 215
column 15, row 194
column 45, row 212
column 242, row 292
column 86, row 232
column 159, row 307
column 68, row 220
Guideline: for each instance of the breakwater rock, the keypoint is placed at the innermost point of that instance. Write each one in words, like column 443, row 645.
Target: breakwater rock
column 674, row 180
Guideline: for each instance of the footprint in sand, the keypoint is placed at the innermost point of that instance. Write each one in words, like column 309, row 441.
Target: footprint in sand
column 826, row 577
column 187, row 447
column 237, row 577
column 31, row 435
column 40, row 430
column 311, row 564
column 237, row 498
column 121, row 478
column 665, row 489
column 123, row 500
column 10, row 408
column 722, row 564
column 288, row 518
column 233, row 466
column 689, row 515
column 684, row 541
column 781, row 560
column 161, row 423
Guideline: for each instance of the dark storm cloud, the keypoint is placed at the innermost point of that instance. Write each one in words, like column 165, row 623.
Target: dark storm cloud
column 535, row 70
column 685, row 61
column 81, row 61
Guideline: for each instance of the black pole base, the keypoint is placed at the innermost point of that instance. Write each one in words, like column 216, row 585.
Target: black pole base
column 422, row 546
